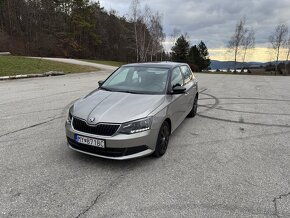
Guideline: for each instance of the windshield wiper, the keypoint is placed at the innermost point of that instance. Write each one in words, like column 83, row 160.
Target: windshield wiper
column 106, row 89
column 131, row 92
column 124, row 91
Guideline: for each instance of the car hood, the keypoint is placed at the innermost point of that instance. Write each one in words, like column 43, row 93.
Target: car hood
column 115, row 107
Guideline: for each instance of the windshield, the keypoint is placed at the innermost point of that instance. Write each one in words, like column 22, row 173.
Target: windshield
column 139, row 80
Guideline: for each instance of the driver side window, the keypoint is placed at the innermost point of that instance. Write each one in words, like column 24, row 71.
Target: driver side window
column 176, row 77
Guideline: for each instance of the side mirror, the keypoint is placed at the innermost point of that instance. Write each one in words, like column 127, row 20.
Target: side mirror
column 178, row 90
column 101, row 82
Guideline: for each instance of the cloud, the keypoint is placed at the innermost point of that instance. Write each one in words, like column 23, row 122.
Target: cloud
column 214, row 21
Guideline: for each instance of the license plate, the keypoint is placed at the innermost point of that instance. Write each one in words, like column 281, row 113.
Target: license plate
column 90, row 141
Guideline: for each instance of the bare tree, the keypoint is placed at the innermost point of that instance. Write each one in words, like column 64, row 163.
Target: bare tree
column 277, row 40
column 148, row 31
column 135, row 13
column 287, row 46
column 145, row 39
column 248, row 43
column 236, row 41
column 174, row 36
column 157, row 34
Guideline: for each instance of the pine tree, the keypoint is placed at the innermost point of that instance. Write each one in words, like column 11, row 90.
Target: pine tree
column 198, row 55
column 204, row 56
column 180, row 50
column 194, row 56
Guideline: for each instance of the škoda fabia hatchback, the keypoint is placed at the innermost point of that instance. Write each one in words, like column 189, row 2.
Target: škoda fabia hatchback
column 134, row 111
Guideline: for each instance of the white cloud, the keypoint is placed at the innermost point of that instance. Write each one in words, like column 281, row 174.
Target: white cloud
column 214, row 21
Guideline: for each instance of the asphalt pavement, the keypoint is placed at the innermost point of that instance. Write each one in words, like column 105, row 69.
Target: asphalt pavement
column 231, row 160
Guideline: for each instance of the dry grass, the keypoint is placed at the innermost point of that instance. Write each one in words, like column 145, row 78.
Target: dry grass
column 16, row 65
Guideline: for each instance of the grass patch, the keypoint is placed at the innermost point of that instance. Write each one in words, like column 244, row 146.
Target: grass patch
column 16, row 65
column 110, row 63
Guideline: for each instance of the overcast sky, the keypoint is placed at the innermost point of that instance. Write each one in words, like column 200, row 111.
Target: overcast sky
column 213, row 21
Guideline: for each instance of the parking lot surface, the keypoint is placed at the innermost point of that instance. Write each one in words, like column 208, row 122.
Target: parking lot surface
column 231, row 160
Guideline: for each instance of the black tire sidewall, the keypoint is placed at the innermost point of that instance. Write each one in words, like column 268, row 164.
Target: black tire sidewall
column 193, row 111
column 158, row 151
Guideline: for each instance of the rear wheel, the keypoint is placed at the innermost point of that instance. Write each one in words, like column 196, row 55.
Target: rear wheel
column 193, row 111
column 162, row 140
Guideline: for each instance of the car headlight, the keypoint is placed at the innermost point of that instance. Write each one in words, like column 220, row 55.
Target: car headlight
column 136, row 126
column 69, row 116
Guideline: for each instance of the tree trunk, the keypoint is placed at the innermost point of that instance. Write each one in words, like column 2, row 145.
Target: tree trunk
column 287, row 62
column 235, row 63
column 151, row 55
column 2, row 17
column 136, row 40
column 244, row 57
column 276, row 67
column 9, row 18
column 146, row 51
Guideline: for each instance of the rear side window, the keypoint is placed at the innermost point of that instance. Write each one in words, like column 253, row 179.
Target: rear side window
column 176, row 77
column 186, row 73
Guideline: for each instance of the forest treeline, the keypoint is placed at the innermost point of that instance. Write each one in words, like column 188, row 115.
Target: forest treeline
column 78, row 29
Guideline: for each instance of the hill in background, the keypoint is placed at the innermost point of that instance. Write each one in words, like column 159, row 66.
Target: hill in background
column 223, row 65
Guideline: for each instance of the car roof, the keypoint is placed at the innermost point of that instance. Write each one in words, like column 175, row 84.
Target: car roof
column 163, row 64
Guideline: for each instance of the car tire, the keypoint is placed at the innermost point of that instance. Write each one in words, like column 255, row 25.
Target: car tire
column 193, row 111
column 162, row 140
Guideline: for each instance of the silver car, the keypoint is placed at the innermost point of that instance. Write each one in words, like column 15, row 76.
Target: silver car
column 134, row 111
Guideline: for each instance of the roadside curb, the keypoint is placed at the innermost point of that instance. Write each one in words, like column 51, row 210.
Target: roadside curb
column 50, row 73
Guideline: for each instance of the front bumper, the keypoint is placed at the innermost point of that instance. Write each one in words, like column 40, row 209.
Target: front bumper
column 118, row 147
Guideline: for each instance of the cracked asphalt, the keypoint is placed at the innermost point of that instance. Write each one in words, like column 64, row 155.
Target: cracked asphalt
column 232, row 160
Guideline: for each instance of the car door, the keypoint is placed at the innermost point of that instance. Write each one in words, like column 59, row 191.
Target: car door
column 178, row 102
column 190, row 85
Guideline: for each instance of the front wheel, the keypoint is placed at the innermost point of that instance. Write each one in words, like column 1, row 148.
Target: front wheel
column 162, row 140
column 193, row 111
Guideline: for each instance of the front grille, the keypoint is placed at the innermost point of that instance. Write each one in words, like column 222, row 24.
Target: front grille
column 109, row 152
column 99, row 129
